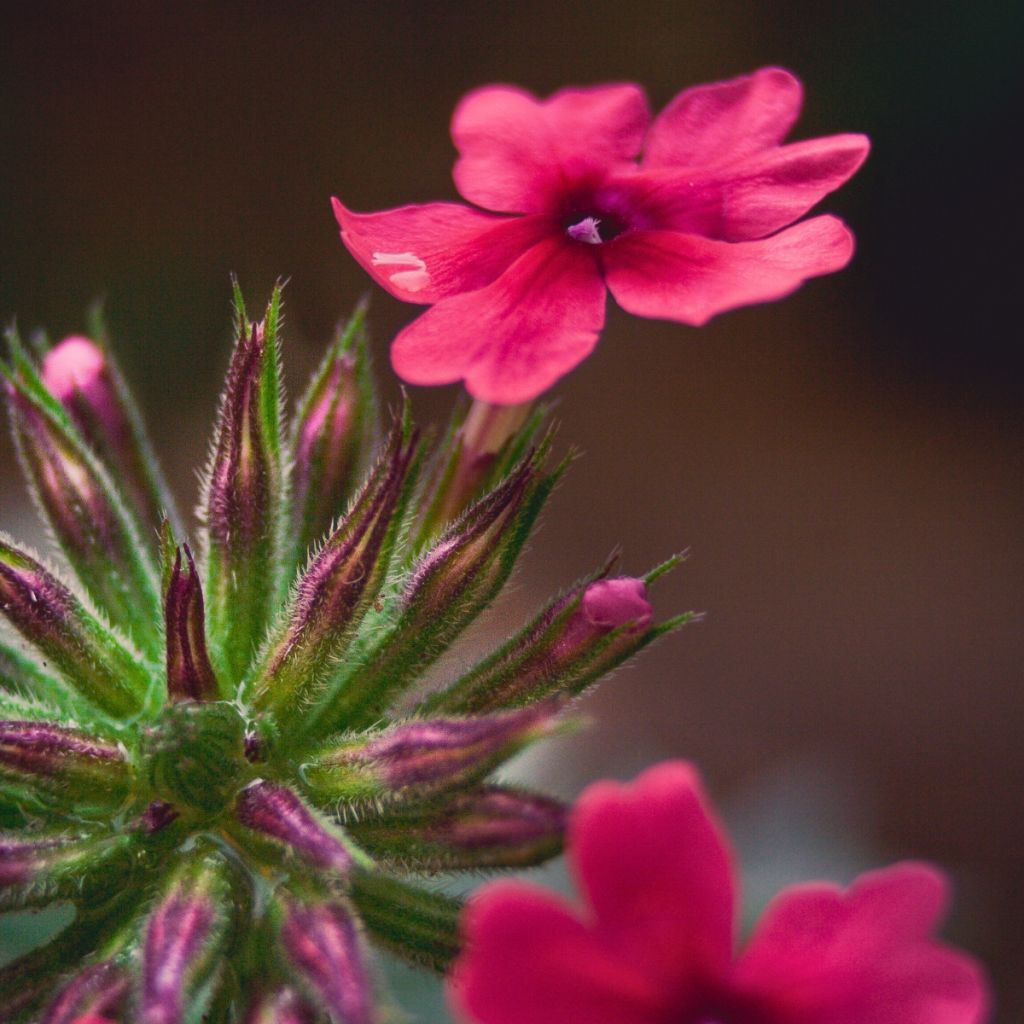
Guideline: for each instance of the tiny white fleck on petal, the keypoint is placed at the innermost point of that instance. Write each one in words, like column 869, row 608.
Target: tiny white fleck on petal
column 413, row 279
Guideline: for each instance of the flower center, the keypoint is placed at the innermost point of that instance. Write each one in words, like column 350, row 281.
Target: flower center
column 592, row 230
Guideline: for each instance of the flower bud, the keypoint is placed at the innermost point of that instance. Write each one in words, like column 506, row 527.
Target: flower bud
column 189, row 672
column 322, row 942
column 333, row 422
column 341, row 581
column 80, row 375
column 576, row 639
column 426, row 755
column 61, row 760
column 37, row 870
column 182, row 941
column 90, row 996
column 88, row 517
column 242, row 496
column 449, row 587
column 278, row 812
column 51, row 618
column 490, row 827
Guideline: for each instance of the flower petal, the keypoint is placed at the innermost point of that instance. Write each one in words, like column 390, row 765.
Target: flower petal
column 863, row 956
column 519, row 154
column 513, row 339
column 656, row 869
column 672, row 276
column 529, row 958
column 724, row 121
column 426, row 253
column 749, row 200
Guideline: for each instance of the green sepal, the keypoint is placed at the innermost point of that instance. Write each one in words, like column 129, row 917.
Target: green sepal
column 318, row 497
column 82, row 868
column 91, row 657
column 451, row 585
column 420, row 926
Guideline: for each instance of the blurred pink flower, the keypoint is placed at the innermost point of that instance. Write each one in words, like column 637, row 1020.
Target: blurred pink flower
column 691, row 229
column 654, row 942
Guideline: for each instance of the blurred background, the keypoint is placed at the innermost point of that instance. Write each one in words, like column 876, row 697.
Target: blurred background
column 844, row 467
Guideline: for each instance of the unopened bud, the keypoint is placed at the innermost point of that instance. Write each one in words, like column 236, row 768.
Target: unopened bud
column 90, row 996
column 88, row 517
column 80, row 375
column 190, row 675
column 335, row 590
column 322, row 942
column 52, row 619
column 576, row 639
column 182, row 942
column 428, row 755
column 452, row 584
column 278, row 812
column 58, row 759
column 333, row 422
column 490, row 827
column 38, row 870
column 242, row 496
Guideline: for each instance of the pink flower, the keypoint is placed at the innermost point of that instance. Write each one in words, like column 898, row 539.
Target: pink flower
column 654, row 942
column 691, row 229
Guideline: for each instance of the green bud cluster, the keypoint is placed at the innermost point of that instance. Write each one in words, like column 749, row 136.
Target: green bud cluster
column 226, row 760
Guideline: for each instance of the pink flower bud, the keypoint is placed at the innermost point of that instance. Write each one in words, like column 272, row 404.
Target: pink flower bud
column 190, row 675
column 278, row 812
column 604, row 606
column 76, row 373
column 323, row 943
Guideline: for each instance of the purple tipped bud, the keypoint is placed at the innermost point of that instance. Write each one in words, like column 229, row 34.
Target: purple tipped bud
column 242, row 497
column 283, row 1007
column 280, row 813
column 76, row 373
column 323, row 944
column 39, row 869
column 189, row 672
column 88, row 517
column 428, row 755
column 157, row 816
column 65, row 760
column 490, row 827
column 341, row 581
column 92, row 996
column 576, row 639
column 180, row 945
column 53, row 620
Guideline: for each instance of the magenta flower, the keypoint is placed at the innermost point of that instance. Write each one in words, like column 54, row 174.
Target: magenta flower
column 654, row 942
column 692, row 228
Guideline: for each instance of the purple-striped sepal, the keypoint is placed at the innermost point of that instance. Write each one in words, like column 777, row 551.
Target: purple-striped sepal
column 323, row 944
column 280, row 814
column 190, row 674
column 96, row 994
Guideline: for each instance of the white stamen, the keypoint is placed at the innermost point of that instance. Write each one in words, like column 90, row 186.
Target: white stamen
column 414, row 279
column 586, row 231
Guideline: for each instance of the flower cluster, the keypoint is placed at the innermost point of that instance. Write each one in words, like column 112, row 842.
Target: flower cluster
column 222, row 756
